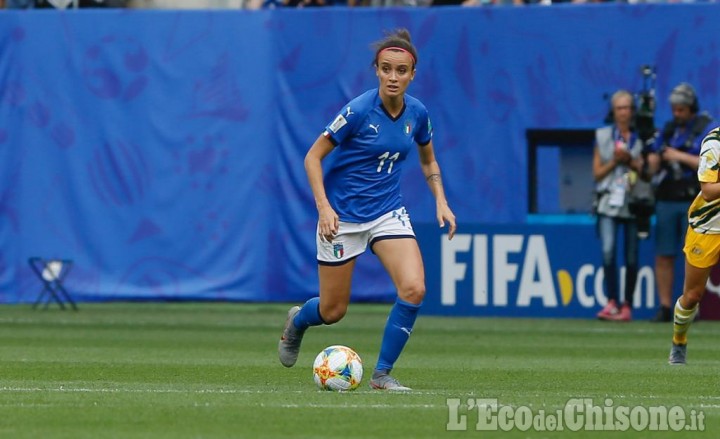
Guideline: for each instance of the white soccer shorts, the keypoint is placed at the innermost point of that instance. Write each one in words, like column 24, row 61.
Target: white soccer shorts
column 352, row 239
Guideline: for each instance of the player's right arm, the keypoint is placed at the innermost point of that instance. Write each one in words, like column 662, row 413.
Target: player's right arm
column 328, row 221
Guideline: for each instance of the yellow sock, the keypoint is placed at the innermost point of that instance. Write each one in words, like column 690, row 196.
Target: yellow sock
column 683, row 318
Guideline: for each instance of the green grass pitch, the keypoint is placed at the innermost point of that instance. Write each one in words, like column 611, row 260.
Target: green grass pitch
column 185, row 370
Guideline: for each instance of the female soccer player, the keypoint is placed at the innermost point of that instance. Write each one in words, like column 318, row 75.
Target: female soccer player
column 702, row 244
column 359, row 203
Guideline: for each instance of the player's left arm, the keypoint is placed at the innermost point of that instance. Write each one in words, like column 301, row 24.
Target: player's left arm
column 431, row 170
column 709, row 170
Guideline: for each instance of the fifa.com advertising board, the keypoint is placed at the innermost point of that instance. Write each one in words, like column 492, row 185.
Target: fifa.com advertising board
column 534, row 270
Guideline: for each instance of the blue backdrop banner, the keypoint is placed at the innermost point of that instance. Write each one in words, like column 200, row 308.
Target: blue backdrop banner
column 162, row 151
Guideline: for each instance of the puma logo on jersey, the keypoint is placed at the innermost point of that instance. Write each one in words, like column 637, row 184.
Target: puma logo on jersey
column 375, row 127
column 348, row 112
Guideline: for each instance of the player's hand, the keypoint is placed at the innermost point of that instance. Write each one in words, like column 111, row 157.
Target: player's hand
column 328, row 223
column 445, row 214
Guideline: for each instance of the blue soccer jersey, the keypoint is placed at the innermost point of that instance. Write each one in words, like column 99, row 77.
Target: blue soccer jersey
column 362, row 179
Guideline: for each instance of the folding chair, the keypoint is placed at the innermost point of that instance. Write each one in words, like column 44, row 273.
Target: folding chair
column 52, row 273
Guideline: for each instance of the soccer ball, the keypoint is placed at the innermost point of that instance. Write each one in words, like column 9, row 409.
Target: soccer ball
column 337, row 368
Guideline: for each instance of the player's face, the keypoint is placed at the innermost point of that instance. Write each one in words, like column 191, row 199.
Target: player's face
column 395, row 71
column 681, row 113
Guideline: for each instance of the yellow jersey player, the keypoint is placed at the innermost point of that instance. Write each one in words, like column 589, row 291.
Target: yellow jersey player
column 702, row 244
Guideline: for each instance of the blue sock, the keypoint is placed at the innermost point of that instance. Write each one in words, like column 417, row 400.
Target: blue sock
column 399, row 325
column 309, row 315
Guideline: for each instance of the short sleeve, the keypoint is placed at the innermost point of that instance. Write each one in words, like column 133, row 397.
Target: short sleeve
column 423, row 136
column 708, row 167
column 342, row 125
column 698, row 143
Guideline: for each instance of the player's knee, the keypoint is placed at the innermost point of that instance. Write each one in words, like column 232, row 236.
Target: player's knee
column 413, row 292
column 693, row 296
column 333, row 313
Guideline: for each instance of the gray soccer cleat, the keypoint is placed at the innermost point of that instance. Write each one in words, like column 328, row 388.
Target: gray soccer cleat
column 289, row 344
column 386, row 382
column 677, row 355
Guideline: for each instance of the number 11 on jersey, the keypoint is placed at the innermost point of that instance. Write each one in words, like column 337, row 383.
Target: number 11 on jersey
column 387, row 156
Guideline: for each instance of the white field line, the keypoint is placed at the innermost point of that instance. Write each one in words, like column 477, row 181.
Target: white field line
column 618, row 399
column 121, row 390
column 291, row 406
column 395, row 404
column 357, row 406
column 448, row 394
column 336, row 405
column 262, row 405
column 196, row 391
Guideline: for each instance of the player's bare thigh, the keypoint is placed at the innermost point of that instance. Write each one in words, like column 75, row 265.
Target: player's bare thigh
column 402, row 259
column 335, row 283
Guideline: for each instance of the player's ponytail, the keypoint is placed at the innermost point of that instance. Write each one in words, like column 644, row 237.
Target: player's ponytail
column 403, row 34
column 399, row 40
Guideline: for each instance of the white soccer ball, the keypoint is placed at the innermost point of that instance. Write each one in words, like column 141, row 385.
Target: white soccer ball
column 337, row 368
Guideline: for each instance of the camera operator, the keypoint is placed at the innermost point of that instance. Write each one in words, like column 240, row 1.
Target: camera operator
column 617, row 159
column 673, row 161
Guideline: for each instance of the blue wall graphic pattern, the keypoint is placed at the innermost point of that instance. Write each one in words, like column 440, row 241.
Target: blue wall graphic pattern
column 162, row 151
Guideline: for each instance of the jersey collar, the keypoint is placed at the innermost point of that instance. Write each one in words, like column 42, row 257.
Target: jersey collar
column 387, row 113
